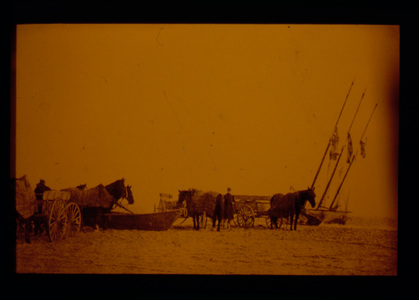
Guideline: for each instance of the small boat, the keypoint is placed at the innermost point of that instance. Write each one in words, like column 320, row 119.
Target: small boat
column 315, row 217
column 152, row 221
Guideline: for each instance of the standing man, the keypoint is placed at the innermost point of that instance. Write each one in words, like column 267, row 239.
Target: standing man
column 39, row 190
column 228, row 207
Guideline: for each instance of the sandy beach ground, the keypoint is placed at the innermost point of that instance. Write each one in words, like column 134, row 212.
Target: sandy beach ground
column 361, row 247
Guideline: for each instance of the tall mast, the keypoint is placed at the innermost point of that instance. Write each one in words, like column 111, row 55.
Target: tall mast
column 329, row 142
column 331, row 178
column 350, row 88
column 369, row 121
column 343, row 180
column 362, row 97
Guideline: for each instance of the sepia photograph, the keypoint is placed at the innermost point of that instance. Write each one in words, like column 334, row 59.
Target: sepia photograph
column 206, row 149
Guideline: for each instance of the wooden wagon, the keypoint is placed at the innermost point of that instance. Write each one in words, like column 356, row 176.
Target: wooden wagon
column 63, row 217
column 247, row 208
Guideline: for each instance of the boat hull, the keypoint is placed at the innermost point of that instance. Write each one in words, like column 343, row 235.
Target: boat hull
column 328, row 216
column 153, row 221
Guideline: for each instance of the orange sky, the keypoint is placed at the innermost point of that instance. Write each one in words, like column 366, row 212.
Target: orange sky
column 170, row 106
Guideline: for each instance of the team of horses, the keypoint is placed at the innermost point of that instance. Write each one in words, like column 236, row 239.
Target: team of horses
column 219, row 207
column 212, row 204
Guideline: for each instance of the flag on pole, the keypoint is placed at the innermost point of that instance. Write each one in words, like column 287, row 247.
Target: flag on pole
column 350, row 149
column 334, row 140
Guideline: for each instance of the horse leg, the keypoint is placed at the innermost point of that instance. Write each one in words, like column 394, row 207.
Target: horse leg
column 37, row 227
column 204, row 220
column 274, row 222
column 213, row 221
column 291, row 221
column 296, row 218
column 197, row 222
column 28, row 230
column 99, row 218
column 219, row 222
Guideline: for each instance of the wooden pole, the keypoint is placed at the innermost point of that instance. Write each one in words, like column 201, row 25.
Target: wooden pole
column 331, row 177
column 117, row 204
column 344, row 103
column 362, row 97
column 343, row 180
column 328, row 144
column 368, row 121
column 321, row 163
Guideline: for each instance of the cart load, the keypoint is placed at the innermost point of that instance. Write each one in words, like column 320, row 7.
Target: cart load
column 24, row 197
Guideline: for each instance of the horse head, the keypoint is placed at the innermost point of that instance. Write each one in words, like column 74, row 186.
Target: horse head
column 130, row 197
column 81, row 187
column 186, row 195
column 117, row 189
column 310, row 196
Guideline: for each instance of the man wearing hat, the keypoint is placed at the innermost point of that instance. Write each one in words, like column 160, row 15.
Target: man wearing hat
column 39, row 190
column 228, row 207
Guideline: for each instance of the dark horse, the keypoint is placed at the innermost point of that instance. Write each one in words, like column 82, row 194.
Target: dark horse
column 284, row 206
column 96, row 202
column 218, row 211
column 198, row 203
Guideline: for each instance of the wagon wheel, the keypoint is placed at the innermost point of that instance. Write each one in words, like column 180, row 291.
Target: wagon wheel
column 57, row 221
column 269, row 222
column 246, row 216
column 73, row 219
